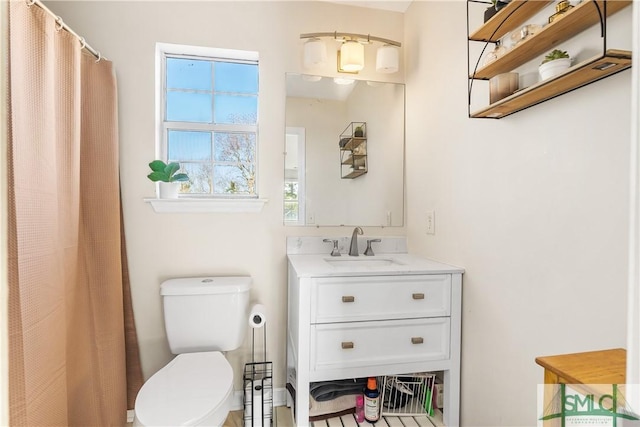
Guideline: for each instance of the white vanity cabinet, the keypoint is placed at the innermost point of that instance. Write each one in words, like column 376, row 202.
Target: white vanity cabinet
column 363, row 321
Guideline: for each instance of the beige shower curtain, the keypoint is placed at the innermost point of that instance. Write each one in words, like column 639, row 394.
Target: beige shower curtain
column 67, row 355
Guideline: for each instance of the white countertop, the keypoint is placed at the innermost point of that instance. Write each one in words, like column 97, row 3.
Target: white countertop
column 319, row 265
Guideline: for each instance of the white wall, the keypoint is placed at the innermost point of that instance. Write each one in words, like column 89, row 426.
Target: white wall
column 534, row 206
column 161, row 246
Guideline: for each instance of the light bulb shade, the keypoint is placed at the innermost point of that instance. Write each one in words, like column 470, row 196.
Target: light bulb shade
column 351, row 56
column 343, row 81
column 315, row 53
column 387, row 59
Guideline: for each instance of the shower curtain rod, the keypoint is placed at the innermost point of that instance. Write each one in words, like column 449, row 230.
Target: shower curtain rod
column 60, row 25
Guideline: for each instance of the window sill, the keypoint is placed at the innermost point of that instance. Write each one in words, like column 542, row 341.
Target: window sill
column 194, row 205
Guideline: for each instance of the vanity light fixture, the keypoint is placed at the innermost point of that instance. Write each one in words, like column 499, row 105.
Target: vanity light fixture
column 343, row 81
column 310, row 78
column 351, row 58
column 315, row 53
column 387, row 59
column 351, row 53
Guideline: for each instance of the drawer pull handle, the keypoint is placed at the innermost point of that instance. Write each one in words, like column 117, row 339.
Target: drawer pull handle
column 417, row 296
column 346, row 345
column 417, row 340
column 348, row 298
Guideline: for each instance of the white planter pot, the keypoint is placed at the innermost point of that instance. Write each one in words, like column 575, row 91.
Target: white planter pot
column 168, row 190
column 553, row 68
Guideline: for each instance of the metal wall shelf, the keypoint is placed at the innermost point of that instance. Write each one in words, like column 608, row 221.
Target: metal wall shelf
column 573, row 22
column 353, row 150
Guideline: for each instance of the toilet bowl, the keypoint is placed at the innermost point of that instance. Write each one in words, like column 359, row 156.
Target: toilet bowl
column 194, row 389
column 204, row 316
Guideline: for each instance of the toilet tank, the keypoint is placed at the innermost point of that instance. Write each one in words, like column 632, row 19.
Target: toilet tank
column 205, row 313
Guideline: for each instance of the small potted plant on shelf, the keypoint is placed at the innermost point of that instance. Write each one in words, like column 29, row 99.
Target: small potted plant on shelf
column 494, row 8
column 167, row 178
column 358, row 132
column 554, row 63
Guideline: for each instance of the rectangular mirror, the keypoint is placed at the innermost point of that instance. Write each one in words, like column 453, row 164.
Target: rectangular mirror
column 323, row 148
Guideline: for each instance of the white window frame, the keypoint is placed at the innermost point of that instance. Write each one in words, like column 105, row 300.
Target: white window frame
column 300, row 134
column 210, row 202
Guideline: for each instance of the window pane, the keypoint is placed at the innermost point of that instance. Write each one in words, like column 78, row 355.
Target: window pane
column 210, row 118
column 291, row 201
column 188, row 74
column 236, row 109
column 238, row 179
column 291, row 210
column 291, row 190
column 189, row 107
column 200, row 178
column 188, row 145
column 237, row 147
column 239, row 78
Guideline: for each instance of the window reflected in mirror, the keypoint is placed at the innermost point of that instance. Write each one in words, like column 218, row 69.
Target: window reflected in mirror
column 294, row 174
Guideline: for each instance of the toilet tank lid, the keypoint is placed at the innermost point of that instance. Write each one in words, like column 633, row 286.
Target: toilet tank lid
column 205, row 285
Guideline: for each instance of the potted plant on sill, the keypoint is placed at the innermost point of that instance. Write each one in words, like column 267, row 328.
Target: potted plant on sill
column 554, row 63
column 167, row 178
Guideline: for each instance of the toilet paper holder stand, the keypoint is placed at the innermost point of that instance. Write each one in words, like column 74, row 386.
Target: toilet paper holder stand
column 258, row 387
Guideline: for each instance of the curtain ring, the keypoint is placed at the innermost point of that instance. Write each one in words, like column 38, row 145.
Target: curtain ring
column 83, row 43
column 99, row 57
column 30, row 3
column 59, row 23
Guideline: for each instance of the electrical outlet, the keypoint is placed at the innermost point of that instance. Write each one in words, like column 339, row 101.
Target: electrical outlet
column 431, row 222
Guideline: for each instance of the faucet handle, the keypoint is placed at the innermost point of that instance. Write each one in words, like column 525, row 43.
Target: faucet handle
column 335, row 251
column 369, row 251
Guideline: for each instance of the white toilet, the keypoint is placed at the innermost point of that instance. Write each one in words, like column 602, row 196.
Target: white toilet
column 203, row 316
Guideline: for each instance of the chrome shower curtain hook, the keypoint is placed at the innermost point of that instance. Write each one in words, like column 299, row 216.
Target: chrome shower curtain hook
column 30, row 3
column 59, row 23
column 83, row 43
column 99, row 57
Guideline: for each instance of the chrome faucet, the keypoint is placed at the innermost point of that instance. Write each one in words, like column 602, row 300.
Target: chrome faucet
column 353, row 249
column 335, row 251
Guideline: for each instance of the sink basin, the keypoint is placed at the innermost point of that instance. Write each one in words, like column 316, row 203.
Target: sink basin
column 363, row 261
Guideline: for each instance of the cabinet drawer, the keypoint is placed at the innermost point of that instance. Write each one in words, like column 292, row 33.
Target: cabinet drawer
column 345, row 345
column 342, row 299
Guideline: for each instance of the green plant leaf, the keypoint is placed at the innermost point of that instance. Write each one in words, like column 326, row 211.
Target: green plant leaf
column 180, row 177
column 158, row 176
column 171, row 169
column 157, row 166
column 555, row 54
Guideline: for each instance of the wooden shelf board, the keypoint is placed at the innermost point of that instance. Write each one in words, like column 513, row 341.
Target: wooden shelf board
column 354, row 174
column 355, row 157
column 573, row 22
column 514, row 14
column 579, row 75
column 353, row 143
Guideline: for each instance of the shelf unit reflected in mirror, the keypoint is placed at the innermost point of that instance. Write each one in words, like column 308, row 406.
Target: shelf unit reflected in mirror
column 353, row 150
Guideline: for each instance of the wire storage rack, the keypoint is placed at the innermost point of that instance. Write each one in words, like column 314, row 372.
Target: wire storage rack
column 258, row 387
column 407, row 395
column 258, row 396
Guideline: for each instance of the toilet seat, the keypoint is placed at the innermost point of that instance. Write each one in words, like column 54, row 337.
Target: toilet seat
column 189, row 390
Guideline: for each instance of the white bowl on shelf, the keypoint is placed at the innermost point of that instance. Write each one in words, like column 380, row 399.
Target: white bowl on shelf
column 553, row 68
